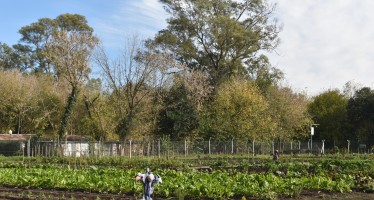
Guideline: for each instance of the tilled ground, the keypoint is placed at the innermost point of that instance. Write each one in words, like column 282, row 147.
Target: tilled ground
column 334, row 196
column 22, row 193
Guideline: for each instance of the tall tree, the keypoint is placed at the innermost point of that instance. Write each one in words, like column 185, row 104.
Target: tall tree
column 361, row 116
column 329, row 110
column 289, row 114
column 36, row 37
column 221, row 37
column 69, row 52
column 133, row 79
column 12, row 58
column 179, row 118
column 6, row 52
column 93, row 114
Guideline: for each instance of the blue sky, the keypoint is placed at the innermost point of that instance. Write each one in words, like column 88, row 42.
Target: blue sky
column 324, row 43
column 112, row 20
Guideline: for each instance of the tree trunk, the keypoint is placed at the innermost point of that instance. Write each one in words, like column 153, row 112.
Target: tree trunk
column 68, row 110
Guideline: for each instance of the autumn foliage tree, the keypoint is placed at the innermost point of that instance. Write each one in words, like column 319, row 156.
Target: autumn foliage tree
column 28, row 104
column 290, row 119
column 237, row 112
column 69, row 52
column 135, row 81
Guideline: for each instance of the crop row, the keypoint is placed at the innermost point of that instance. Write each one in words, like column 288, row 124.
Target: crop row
column 181, row 162
column 288, row 180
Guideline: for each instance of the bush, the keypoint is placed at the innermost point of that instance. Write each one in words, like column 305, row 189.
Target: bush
column 336, row 150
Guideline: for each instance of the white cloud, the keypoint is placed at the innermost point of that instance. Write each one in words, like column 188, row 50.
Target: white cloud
column 326, row 43
column 144, row 17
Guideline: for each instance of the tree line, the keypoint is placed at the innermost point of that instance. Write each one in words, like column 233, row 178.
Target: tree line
column 203, row 76
column 344, row 116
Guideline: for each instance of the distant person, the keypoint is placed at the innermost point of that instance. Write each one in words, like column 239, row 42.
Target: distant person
column 276, row 156
column 149, row 181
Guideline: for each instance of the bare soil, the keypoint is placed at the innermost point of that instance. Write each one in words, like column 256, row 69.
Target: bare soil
column 22, row 193
column 36, row 194
column 335, row 196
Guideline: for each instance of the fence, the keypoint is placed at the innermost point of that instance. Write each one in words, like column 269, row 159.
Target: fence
column 166, row 148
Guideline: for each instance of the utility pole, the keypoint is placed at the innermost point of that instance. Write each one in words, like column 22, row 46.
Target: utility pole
column 311, row 136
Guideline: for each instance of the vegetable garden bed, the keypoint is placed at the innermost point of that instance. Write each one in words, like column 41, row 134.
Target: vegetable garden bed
column 266, row 180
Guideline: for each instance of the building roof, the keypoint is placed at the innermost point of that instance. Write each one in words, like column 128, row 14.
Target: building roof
column 15, row 137
column 75, row 138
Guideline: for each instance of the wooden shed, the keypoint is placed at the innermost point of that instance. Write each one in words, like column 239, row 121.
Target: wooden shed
column 14, row 144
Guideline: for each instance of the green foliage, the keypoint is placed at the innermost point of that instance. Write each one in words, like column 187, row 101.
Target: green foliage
column 69, row 51
column 287, row 179
column 93, row 115
column 201, row 77
column 10, row 59
column 237, row 111
column 361, row 115
column 47, row 47
column 36, row 36
column 27, row 103
column 179, row 116
column 68, row 111
column 221, row 37
column 329, row 110
column 288, row 111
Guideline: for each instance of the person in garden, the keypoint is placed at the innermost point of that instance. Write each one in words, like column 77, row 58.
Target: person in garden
column 149, row 181
column 276, row 156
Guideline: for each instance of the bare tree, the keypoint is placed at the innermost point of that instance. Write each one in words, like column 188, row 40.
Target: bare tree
column 135, row 80
column 197, row 85
column 70, row 53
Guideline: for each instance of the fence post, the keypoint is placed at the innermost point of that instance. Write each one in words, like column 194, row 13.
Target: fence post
column 28, row 147
column 253, row 151
column 159, row 147
column 323, row 147
column 185, row 148
column 349, row 142
column 232, row 146
column 209, row 146
column 272, row 145
column 111, row 149
column 299, row 148
column 130, row 149
column 153, row 148
column 291, row 147
column 123, row 146
column 99, row 149
column 66, row 147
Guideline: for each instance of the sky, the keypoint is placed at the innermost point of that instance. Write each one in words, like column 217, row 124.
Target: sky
column 324, row 43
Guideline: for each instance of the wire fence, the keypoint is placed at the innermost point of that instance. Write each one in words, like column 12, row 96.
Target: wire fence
column 167, row 148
